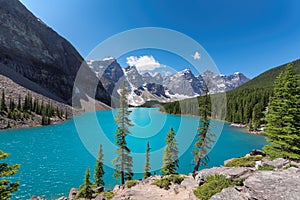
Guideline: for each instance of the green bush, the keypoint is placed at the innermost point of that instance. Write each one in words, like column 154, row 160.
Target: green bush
column 239, row 182
column 213, row 184
column 108, row 194
column 266, row 168
column 131, row 183
column 247, row 161
column 166, row 181
column 290, row 165
column 176, row 179
column 162, row 183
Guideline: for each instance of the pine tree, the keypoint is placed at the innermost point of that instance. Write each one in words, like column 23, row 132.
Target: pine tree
column 283, row 117
column 44, row 119
column 7, row 186
column 99, row 171
column 3, row 104
column 123, row 161
column 204, row 140
column 85, row 190
column 57, row 112
column 170, row 157
column 147, row 168
column 66, row 114
column 12, row 104
column 19, row 103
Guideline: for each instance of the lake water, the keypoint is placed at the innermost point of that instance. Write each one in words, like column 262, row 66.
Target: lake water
column 54, row 158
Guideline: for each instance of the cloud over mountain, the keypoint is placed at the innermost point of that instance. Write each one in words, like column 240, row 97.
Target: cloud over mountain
column 143, row 63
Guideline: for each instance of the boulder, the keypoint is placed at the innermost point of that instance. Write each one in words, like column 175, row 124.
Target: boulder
column 278, row 163
column 265, row 185
column 100, row 197
column 256, row 152
column 233, row 173
column 274, row 185
column 189, row 183
column 228, row 194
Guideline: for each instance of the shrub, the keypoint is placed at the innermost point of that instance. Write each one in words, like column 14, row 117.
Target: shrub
column 166, row 181
column 131, row 183
column 266, row 168
column 108, row 194
column 247, row 161
column 212, row 185
column 176, row 179
column 239, row 182
column 162, row 183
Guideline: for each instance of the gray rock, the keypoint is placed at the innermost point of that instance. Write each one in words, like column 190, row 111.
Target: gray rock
column 189, row 183
column 278, row 163
column 266, row 185
column 229, row 194
column 100, row 197
column 233, row 173
column 274, row 185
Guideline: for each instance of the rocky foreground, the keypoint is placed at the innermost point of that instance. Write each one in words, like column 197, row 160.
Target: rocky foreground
column 282, row 182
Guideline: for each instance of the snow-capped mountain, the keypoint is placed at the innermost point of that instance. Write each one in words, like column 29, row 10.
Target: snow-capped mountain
column 183, row 83
column 149, row 86
column 156, row 78
column 218, row 83
column 133, row 76
column 108, row 71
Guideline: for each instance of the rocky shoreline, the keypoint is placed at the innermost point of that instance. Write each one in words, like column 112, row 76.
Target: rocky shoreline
column 280, row 183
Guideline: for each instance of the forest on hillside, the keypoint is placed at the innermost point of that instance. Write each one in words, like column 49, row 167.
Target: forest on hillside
column 245, row 105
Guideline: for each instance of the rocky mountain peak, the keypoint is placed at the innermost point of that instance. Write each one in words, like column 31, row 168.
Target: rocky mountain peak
column 32, row 49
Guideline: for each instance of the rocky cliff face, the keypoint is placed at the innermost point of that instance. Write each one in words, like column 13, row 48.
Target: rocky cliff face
column 184, row 83
column 222, row 83
column 32, row 49
column 108, row 71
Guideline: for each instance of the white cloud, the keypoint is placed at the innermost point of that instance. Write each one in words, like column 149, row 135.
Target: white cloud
column 196, row 56
column 143, row 63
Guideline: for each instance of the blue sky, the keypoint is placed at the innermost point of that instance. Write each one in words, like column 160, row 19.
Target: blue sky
column 239, row 35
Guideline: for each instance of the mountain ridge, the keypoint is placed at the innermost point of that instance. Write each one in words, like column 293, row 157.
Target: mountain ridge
column 34, row 50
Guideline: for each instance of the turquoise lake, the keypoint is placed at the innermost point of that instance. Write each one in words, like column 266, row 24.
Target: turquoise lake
column 54, row 158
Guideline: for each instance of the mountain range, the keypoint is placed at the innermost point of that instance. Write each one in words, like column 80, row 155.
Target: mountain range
column 164, row 88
